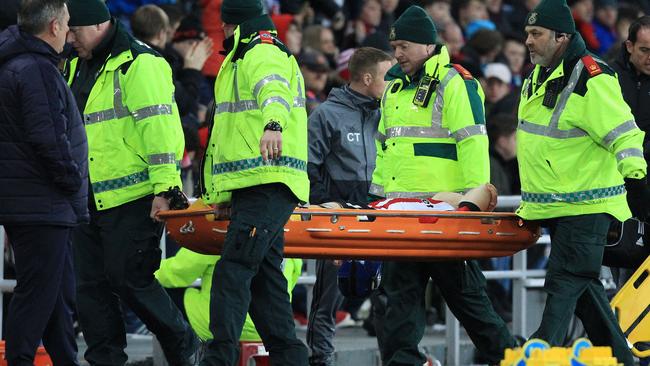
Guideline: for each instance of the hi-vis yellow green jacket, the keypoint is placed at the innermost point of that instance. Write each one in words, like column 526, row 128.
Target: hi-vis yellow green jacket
column 440, row 147
column 187, row 266
column 135, row 138
column 574, row 155
column 259, row 81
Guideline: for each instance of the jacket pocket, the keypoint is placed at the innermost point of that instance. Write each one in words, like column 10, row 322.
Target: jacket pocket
column 249, row 138
column 246, row 244
column 144, row 258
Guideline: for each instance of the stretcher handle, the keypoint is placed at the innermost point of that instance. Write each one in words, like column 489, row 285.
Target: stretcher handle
column 398, row 213
column 374, row 213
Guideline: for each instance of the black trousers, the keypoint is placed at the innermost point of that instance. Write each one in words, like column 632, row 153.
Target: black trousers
column 43, row 300
column 573, row 284
column 115, row 257
column 322, row 317
column 462, row 285
column 249, row 278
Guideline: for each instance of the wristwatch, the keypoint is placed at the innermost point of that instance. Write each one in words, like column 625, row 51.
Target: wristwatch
column 273, row 126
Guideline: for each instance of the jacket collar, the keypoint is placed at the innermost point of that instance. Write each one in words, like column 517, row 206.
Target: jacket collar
column 114, row 44
column 431, row 66
column 570, row 57
column 14, row 42
column 346, row 95
column 244, row 33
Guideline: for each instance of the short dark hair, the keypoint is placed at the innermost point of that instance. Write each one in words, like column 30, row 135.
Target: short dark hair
column 636, row 26
column 502, row 124
column 365, row 60
column 35, row 15
column 485, row 40
column 147, row 21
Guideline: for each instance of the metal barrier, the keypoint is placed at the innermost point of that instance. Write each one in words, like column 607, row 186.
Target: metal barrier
column 519, row 274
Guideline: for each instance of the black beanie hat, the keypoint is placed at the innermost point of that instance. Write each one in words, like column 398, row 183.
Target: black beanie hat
column 239, row 11
column 554, row 15
column 414, row 25
column 87, row 12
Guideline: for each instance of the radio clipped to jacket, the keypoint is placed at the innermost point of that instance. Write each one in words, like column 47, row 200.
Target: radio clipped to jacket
column 425, row 88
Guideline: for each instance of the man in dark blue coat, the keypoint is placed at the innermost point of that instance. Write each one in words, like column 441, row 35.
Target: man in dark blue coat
column 43, row 181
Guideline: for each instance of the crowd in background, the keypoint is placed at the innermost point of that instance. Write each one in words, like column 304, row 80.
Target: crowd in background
column 484, row 36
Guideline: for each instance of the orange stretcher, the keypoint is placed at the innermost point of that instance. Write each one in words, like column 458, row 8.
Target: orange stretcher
column 371, row 234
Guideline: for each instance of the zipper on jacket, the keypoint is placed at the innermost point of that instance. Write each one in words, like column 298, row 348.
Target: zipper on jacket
column 210, row 121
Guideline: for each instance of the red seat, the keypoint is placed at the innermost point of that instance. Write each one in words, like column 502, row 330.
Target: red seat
column 253, row 351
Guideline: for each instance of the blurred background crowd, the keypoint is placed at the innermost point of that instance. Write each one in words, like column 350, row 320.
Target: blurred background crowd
column 485, row 36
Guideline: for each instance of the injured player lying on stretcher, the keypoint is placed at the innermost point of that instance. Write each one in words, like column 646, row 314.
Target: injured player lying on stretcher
column 481, row 198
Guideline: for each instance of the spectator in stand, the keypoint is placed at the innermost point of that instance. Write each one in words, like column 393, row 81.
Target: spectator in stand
column 498, row 95
column 519, row 12
column 583, row 15
column 439, row 11
column 471, row 10
column 174, row 15
column 329, row 9
column 452, row 36
column 342, row 65
column 211, row 21
column 477, row 25
column 314, row 68
column 150, row 24
column 605, row 24
column 499, row 15
column 515, row 54
column 365, row 25
column 504, row 171
column 627, row 14
column 483, row 48
column 289, row 31
column 388, row 8
column 187, row 54
column 320, row 38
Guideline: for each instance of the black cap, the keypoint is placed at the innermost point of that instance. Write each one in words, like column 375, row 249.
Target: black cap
column 87, row 12
column 239, row 11
column 314, row 61
column 190, row 28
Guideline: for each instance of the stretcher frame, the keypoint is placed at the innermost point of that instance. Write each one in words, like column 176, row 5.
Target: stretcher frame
column 632, row 308
column 372, row 234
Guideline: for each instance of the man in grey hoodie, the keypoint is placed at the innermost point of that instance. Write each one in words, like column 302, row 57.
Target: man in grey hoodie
column 341, row 161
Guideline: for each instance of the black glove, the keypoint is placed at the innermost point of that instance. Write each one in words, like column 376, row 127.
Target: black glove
column 177, row 199
column 638, row 197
